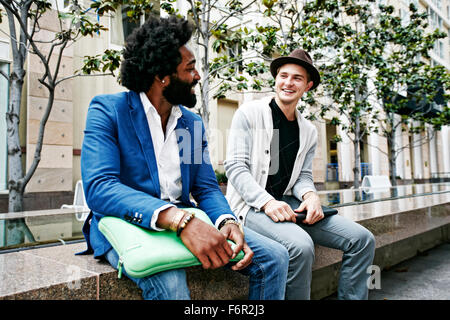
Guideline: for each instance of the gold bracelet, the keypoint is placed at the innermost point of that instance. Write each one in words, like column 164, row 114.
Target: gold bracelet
column 176, row 220
column 236, row 223
column 185, row 222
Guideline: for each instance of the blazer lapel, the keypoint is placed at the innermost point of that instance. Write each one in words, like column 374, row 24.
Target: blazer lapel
column 140, row 124
column 184, row 133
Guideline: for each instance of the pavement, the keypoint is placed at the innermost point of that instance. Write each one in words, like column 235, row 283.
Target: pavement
column 423, row 277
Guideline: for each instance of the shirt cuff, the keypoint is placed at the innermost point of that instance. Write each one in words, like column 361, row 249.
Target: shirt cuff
column 156, row 215
column 222, row 217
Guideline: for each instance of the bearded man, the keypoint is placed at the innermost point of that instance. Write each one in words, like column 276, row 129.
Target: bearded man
column 141, row 161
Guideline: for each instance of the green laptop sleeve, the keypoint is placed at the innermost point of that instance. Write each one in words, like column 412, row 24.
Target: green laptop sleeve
column 143, row 252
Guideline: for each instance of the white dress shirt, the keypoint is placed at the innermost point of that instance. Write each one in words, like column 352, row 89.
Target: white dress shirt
column 165, row 147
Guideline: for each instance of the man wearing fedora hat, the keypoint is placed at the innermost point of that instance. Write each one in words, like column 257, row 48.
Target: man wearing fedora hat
column 269, row 167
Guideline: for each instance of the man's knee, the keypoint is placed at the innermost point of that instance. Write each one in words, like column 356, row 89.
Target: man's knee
column 369, row 239
column 280, row 256
column 168, row 285
column 302, row 250
column 364, row 240
column 275, row 257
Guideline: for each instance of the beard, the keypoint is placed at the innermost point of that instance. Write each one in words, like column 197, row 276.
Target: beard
column 179, row 92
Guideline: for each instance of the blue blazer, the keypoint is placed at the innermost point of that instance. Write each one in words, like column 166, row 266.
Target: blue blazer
column 120, row 173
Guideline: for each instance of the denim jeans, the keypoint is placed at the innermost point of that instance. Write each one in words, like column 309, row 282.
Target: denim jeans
column 356, row 242
column 267, row 273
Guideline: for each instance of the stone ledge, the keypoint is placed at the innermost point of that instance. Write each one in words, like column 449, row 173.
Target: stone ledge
column 56, row 273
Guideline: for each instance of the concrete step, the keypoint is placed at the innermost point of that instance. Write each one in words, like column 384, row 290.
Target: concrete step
column 402, row 228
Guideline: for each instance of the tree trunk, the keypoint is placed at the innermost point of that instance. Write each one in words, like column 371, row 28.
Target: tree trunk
column 392, row 149
column 356, row 145
column 392, row 159
column 357, row 167
column 15, row 170
column 205, row 67
column 19, row 49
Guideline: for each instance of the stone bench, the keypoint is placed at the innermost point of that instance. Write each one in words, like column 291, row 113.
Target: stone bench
column 402, row 228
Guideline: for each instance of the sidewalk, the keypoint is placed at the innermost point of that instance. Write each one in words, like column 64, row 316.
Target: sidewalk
column 424, row 277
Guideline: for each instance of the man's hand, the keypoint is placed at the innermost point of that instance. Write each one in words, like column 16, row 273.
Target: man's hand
column 311, row 202
column 233, row 232
column 203, row 240
column 206, row 243
column 279, row 211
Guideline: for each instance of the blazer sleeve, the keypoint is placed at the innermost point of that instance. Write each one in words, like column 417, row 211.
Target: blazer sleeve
column 100, row 169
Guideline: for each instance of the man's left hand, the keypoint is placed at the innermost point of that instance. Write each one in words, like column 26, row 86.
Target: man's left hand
column 311, row 203
column 233, row 232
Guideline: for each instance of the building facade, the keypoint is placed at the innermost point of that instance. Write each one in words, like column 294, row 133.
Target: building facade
column 59, row 168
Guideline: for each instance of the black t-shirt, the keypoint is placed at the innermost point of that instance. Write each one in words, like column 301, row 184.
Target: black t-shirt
column 287, row 133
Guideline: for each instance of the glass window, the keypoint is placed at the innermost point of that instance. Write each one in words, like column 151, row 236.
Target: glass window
column 122, row 26
column 438, row 3
column 439, row 49
column 404, row 16
column 61, row 5
column 435, row 20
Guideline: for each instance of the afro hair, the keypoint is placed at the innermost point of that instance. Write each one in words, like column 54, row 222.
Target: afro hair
column 153, row 50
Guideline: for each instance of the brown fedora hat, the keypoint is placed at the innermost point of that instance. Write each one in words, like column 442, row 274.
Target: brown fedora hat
column 300, row 57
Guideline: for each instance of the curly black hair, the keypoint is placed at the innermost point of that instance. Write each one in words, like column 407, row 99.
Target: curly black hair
column 153, row 50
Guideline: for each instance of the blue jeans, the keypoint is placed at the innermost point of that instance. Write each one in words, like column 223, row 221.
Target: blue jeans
column 337, row 232
column 267, row 273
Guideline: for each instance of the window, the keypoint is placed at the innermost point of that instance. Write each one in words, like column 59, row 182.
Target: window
column 404, row 16
column 236, row 53
column 435, row 19
column 121, row 26
column 438, row 3
column 61, row 5
column 434, row 63
column 4, row 89
column 439, row 49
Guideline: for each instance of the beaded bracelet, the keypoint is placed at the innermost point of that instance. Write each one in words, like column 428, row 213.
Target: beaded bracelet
column 185, row 222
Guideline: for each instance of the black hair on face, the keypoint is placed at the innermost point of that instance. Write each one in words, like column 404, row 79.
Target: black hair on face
column 153, row 50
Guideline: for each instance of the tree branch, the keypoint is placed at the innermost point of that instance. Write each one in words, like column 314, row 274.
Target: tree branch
column 83, row 75
column 230, row 15
column 37, row 152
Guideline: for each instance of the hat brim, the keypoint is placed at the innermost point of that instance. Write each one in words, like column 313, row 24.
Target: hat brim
column 313, row 72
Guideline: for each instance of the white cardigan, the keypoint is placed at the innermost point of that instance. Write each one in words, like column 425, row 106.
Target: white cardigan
column 248, row 158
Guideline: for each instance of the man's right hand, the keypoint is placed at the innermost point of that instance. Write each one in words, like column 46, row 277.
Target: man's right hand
column 204, row 241
column 279, row 211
